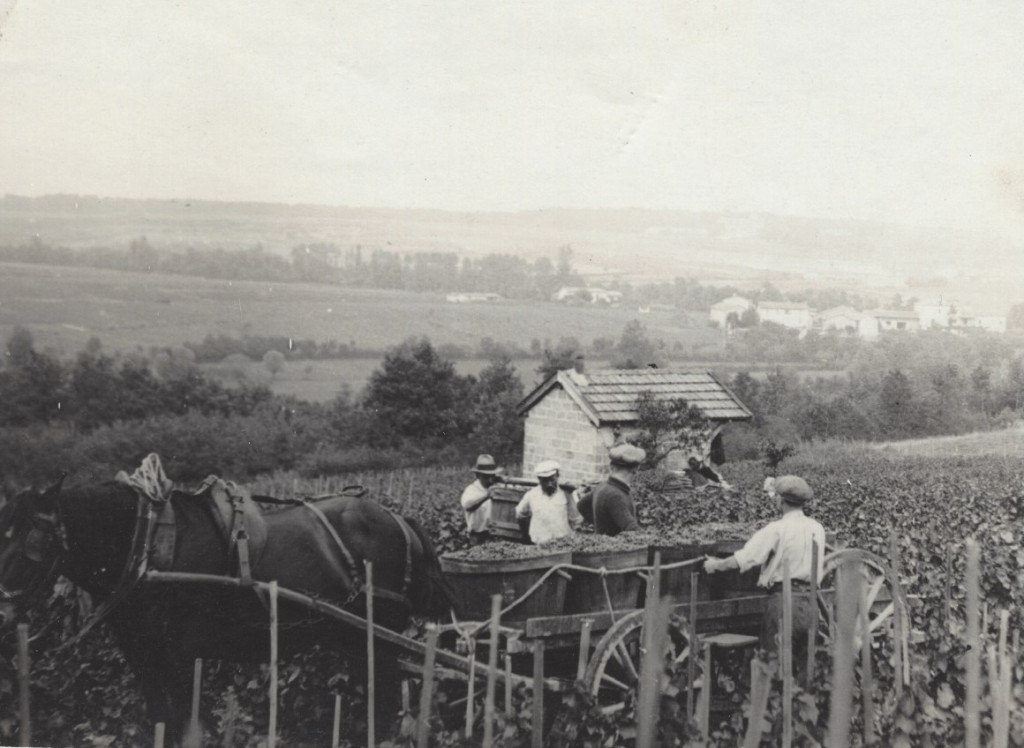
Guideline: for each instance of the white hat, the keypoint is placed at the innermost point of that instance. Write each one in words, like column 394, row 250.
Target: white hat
column 546, row 468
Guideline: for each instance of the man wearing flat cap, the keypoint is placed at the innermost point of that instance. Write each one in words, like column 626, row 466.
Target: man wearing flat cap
column 610, row 503
column 546, row 511
column 783, row 544
column 476, row 500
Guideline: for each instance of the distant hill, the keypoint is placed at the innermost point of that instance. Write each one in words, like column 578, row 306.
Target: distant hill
column 631, row 244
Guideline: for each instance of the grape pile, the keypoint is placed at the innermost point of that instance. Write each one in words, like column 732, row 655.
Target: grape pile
column 688, row 535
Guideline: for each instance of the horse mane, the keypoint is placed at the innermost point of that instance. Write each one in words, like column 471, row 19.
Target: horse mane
column 441, row 597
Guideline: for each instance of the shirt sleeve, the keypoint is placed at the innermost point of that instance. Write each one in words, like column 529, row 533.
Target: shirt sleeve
column 523, row 507
column 756, row 550
column 472, row 496
column 572, row 512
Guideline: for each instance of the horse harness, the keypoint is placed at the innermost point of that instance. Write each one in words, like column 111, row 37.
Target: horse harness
column 238, row 517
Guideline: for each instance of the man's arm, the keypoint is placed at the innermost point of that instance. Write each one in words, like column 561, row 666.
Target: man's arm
column 713, row 565
column 476, row 505
column 474, row 497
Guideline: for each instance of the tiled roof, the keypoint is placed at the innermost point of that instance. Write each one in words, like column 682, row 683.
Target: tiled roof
column 609, row 395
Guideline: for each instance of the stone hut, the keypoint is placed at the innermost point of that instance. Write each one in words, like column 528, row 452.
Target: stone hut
column 574, row 417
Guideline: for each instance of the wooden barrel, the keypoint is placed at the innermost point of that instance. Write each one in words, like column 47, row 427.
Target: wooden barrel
column 586, row 592
column 476, row 581
column 675, row 583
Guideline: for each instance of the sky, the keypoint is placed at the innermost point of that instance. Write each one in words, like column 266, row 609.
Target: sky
column 908, row 112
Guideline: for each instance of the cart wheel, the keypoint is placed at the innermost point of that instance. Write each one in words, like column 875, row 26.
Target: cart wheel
column 884, row 594
column 613, row 673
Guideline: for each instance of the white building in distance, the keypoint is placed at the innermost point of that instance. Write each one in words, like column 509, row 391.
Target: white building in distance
column 794, row 314
column 732, row 305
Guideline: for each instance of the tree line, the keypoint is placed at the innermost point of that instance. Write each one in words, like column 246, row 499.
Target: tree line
column 100, row 412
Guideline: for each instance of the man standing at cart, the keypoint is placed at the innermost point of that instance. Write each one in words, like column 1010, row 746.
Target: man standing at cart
column 546, row 512
column 476, row 500
column 610, row 504
column 783, row 544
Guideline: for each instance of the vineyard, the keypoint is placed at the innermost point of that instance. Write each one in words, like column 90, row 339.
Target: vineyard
column 85, row 696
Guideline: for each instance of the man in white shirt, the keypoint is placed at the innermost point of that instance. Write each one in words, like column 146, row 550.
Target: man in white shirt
column 550, row 512
column 476, row 500
column 783, row 544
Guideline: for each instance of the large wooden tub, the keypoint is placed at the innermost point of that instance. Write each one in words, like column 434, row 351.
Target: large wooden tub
column 586, row 591
column 476, row 581
column 675, row 583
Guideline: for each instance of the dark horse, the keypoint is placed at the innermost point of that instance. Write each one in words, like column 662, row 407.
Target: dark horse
column 87, row 534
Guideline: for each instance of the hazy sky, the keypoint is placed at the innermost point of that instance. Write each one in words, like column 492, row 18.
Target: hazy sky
column 906, row 111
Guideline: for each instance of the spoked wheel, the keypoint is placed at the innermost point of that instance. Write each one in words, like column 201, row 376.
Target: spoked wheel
column 882, row 593
column 613, row 673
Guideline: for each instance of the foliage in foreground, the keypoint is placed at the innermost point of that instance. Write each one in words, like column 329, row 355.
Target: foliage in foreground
column 85, row 696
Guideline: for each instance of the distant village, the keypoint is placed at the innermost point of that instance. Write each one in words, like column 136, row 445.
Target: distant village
column 737, row 312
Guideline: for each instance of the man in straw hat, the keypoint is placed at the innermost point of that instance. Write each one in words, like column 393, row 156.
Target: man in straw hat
column 546, row 511
column 476, row 499
column 783, row 544
column 610, row 503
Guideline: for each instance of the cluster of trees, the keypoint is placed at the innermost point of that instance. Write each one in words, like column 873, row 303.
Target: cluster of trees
column 941, row 385
column 100, row 413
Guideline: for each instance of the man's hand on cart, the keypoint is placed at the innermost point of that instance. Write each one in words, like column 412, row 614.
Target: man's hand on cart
column 714, row 565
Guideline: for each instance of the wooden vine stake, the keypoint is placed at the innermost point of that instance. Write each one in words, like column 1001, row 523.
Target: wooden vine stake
column 272, row 726
column 508, row 684
column 949, row 586
column 336, row 724
column 972, row 721
column 1000, row 673
column 158, row 735
column 655, row 639
column 581, row 663
column 492, row 671
column 786, row 658
column 812, row 632
column 537, row 735
column 899, row 655
column 867, row 681
column 24, row 694
column 371, row 679
column 194, row 737
column 427, row 691
column 760, row 688
column 691, row 661
column 470, row 688
column 848, row 581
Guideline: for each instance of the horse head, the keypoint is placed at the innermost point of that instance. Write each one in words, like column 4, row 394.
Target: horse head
column 30, row 545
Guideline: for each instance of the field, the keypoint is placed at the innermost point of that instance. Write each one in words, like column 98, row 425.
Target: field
column 127, row 311
column 930, row 503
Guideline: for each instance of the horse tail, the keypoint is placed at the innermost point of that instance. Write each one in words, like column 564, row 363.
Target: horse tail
column 440, row 595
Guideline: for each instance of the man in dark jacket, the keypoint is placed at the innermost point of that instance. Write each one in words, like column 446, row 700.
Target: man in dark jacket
column 610, row 504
